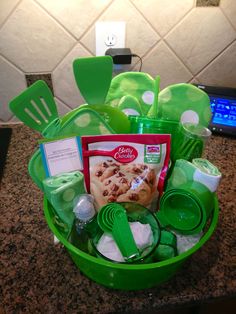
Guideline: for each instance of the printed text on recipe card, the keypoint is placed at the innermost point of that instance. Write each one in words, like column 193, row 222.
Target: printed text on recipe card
column 62, row 155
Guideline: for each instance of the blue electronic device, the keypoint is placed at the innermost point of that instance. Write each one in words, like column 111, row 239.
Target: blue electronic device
column 223, row 106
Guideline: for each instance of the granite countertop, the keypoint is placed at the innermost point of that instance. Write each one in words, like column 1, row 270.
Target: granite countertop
column 37, row 276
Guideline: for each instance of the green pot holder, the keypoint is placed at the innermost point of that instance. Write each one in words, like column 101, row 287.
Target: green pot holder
column 184, row 103
column 136, row 84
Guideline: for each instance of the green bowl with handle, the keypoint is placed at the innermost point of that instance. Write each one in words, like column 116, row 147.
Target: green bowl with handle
column 127, row 276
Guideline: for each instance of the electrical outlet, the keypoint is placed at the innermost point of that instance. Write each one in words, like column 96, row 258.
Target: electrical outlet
column 109, row 35
column 110, row 40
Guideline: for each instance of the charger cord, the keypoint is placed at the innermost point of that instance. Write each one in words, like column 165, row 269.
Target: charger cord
column 140, row 59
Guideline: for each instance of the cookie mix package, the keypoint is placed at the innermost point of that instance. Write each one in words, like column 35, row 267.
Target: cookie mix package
column 126, row 167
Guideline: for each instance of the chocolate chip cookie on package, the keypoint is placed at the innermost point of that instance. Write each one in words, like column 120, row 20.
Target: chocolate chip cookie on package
column 126, row 168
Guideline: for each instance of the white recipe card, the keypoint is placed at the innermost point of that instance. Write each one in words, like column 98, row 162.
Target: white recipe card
column 62, row 155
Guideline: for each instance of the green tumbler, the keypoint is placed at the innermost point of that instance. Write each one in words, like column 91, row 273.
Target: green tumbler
column 143, row 125
column 191, row 141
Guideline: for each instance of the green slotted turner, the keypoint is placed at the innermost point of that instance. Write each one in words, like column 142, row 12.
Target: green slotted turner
column 36, row 107
column 93, row 77
column 112, row 218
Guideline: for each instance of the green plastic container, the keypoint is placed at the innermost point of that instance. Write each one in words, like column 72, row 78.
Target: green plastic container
column 143, row 125
column 126, row 276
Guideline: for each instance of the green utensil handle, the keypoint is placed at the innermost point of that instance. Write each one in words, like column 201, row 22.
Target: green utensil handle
column 123, row 237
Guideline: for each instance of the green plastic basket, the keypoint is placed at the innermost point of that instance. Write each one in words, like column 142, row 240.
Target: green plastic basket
column 126, row 276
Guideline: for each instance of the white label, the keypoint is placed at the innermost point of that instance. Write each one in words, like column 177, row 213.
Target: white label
column 61, row 156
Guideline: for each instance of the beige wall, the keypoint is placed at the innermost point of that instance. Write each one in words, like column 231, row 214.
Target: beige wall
column 176, row 39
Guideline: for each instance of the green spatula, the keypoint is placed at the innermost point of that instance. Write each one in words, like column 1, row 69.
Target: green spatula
column 36, row 107
column 93, row 77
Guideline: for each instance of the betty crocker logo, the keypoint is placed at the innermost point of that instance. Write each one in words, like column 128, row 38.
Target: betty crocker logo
column 122, row 153
column 125, row 153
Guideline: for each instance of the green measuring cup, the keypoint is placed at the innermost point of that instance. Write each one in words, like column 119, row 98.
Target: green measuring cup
column 112, row 218
column 187, row 208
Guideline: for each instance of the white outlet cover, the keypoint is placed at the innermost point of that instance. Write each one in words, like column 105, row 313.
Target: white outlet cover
column 109, row 35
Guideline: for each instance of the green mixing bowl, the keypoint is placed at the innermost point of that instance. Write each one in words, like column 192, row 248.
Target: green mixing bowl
column 134, row 212
column 127, row 276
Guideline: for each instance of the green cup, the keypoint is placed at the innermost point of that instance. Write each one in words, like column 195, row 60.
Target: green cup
column 187, row 208
column 143, row 125
column 191, row 141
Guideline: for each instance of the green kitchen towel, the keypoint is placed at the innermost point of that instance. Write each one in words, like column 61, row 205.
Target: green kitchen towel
column 61, row 191
column 200, row 170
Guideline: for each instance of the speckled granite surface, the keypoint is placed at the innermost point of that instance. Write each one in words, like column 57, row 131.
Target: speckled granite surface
column 38, row 277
